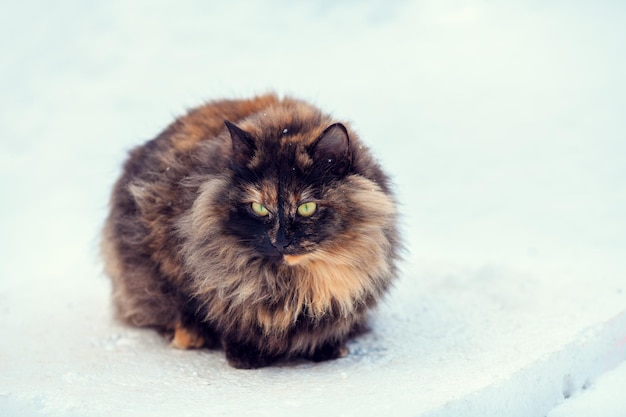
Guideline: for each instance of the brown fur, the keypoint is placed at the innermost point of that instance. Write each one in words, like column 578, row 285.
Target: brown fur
column 186, row 255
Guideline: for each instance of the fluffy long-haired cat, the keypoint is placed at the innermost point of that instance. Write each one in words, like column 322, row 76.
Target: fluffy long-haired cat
column 263, row 226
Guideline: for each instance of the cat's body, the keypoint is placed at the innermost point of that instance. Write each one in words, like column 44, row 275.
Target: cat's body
column 262, row 226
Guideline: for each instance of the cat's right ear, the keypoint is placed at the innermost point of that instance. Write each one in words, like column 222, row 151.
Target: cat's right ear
column 243, row 143
column 332, row 149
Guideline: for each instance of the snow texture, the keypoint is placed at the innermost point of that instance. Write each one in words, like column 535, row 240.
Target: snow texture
column 502, row 124
column 599, row 399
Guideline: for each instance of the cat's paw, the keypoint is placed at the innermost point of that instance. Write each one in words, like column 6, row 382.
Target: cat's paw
column 330, row 351
column 186, row 338
column 243, row 356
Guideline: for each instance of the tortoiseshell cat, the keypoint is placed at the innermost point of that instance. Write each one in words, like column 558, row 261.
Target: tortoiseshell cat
column 262, row 226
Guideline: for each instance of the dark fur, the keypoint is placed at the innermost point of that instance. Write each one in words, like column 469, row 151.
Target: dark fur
column 188, row 256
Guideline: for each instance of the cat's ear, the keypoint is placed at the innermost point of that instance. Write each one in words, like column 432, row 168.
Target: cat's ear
column 332, row 149
column 243, row 143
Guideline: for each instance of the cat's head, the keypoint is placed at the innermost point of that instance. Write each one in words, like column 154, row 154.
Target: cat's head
column 286, row 201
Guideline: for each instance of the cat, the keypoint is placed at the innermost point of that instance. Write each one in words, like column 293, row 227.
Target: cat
column 261, row 226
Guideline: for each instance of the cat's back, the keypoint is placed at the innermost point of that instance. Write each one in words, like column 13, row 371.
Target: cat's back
column 172, row 148
column 207, row 121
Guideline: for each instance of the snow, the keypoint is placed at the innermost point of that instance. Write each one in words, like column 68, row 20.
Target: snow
column 502, row 125
column 599, row 398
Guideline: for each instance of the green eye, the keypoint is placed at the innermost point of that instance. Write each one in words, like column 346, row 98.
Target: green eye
column 307, row 209
column 259, row 209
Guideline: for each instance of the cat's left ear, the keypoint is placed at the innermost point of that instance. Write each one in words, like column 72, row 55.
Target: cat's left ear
column 243, row 143
column 332, row 149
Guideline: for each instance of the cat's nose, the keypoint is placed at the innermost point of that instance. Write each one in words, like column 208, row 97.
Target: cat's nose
column 281, row 241
column 280, row 245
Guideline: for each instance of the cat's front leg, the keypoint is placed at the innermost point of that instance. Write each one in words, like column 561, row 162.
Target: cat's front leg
column 246, row 356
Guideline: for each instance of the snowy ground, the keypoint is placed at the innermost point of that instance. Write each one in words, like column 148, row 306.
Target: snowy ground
column 502, row 123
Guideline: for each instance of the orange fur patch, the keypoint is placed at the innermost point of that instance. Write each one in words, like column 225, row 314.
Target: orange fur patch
column 294, row 259
column 186, row 339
